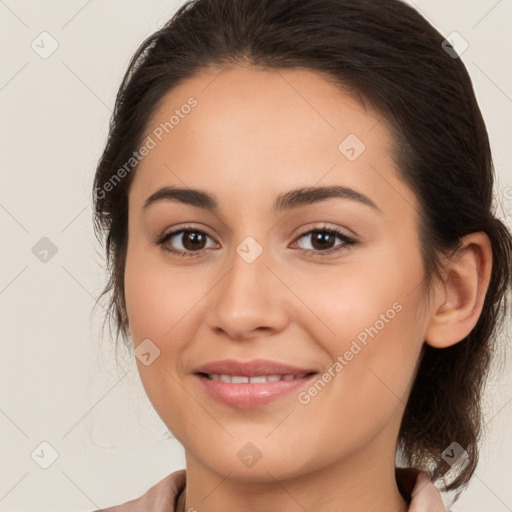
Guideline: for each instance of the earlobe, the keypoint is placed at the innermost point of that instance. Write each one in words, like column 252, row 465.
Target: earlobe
column 459, row 301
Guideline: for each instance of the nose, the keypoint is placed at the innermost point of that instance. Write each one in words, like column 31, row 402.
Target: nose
column 249, row 300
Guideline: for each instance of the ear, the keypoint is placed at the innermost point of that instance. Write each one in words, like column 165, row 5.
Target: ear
column 459, row 299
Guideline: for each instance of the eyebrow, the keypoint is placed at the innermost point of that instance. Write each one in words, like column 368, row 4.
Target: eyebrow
column 290, row 200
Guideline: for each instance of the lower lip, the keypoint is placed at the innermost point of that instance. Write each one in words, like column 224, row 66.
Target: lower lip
column 249, row 394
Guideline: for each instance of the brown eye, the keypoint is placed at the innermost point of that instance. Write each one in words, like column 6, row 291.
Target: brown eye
column 193, row 240
column 184, row 242
column 322, row 241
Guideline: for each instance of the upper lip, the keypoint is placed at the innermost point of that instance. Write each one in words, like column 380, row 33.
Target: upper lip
column 251, row 368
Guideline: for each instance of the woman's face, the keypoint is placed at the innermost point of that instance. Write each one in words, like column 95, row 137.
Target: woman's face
column 258, row 281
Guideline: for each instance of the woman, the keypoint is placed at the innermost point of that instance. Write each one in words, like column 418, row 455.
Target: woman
column 297, row 202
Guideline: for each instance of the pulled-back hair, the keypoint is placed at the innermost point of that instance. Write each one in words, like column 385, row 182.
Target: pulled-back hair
column 384, row 53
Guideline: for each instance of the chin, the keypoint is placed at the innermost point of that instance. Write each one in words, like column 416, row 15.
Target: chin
column 246, row 463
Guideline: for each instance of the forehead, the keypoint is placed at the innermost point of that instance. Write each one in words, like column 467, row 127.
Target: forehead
column 258, row 131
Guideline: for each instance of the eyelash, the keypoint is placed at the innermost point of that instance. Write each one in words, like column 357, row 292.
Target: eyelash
column 348, row 241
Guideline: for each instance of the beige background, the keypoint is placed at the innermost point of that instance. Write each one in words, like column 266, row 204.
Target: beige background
column 59, row 383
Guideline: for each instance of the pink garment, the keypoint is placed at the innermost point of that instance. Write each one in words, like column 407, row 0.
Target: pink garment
column 162, row 497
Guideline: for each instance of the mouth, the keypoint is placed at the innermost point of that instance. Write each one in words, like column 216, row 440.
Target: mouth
column 251, row 384
column 257, row 379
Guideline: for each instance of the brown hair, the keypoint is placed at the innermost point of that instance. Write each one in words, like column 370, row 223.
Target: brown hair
column 388, row 55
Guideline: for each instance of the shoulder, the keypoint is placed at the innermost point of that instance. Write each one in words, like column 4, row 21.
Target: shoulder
column 159, row 498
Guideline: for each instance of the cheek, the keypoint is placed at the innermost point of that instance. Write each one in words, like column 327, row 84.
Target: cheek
column 158, row 296
column 371, row 323
column 344, row 304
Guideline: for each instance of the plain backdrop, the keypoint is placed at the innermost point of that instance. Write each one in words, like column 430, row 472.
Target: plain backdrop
column 63, row 403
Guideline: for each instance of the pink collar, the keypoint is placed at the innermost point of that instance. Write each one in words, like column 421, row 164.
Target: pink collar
column 417, row 488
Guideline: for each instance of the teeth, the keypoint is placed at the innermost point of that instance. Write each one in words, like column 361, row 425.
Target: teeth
column 258, row 379
column 235, row 379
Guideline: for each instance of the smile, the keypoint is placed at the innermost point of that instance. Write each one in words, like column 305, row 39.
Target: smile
column 257, row 379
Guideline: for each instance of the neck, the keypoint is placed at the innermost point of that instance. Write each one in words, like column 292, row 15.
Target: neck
column 347, row 487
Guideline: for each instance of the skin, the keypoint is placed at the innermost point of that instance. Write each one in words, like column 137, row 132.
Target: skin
column 255, row 134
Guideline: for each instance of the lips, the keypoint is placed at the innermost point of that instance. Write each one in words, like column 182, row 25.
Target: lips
column 251, row 383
